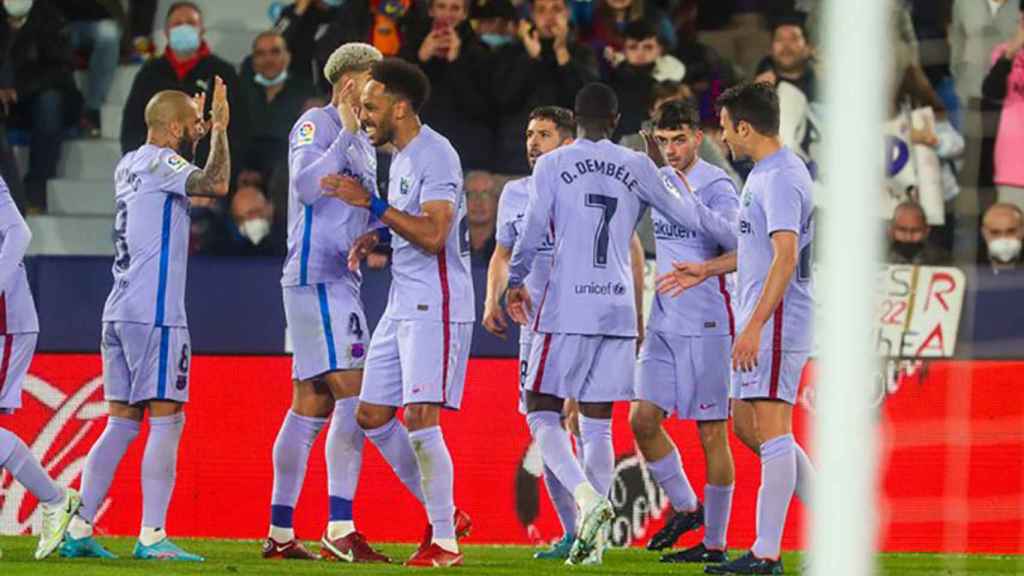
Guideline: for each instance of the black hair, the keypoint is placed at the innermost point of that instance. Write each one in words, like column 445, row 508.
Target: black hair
column 596, row 101
column 795, row 20
column 639, row 30
column 756, row 104
column 563, row 119
column 183, row 4
column 402, row 79
column 675, row 115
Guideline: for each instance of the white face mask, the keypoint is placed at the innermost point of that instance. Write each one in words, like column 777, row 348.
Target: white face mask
column 255, row 229
column 1004, row 249
column 18, row 8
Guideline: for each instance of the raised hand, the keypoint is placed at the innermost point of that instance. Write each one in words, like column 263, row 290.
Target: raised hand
column 530, row 38
column 220, row 113
column 346, row 106
column 653, row 149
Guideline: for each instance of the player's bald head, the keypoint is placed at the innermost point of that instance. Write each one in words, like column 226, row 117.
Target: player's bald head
column 167, row 107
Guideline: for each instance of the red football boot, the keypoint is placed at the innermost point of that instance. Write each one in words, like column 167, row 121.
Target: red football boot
column 352, row 548
column 434, row 556
column 463, row 526
column 291, row 550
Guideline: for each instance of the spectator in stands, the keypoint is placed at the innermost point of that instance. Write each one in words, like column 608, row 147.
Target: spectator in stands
column 978, row 27
column 142, row 13
column 275, row 99
column 495, row 22
column 636, row 70
column 189, row 66
column 45, row 98
column 313, row 29
column 1003, row 230
column 207, row 229
column 608, row 28
column 908, row 238
column 707, row 73
column 791, row 58
column 482, row 191
column 1005, row 83
column 253, row 229
column 95, row 27
column 8, row 165
column 546, row 66
column 447, row 49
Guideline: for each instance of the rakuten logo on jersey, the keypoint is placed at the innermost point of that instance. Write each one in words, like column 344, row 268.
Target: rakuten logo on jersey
column 596, row 289
column 668, row 231
column 59, row 427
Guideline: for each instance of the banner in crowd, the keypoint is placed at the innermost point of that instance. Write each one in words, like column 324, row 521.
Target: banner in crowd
column 919, row 311
column 951, row 458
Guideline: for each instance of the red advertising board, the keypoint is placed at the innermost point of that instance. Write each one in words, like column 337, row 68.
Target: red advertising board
column 951, row 449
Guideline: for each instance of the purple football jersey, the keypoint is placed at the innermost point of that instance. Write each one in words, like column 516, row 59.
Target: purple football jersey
column 151, row 234
column 17, row 307
column 322, row 229
column 705, row 309
column 426, row 286
column 590, row 195
column 511, row 217
column 777, row 197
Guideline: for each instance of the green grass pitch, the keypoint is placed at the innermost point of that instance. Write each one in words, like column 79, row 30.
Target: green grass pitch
column 243, row 557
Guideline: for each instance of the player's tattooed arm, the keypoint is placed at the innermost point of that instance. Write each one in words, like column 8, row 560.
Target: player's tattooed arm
column 214, row 179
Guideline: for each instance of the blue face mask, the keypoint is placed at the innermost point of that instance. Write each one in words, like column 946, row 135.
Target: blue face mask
column 495, row 40
column 279, row 79
column 333, row 3
column 183, row 39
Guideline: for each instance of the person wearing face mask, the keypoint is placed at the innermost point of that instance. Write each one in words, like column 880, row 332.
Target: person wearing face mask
column 495, row 23
column 43, row 99
column 254, row 231
column 274, row 98
column 1003, row 230
column 187, row 65
column 908, row 238
column 448, row 51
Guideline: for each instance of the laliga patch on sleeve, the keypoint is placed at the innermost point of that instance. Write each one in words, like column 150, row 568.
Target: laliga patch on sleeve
column 176, row 163
column 305, row 134
column 670, row 185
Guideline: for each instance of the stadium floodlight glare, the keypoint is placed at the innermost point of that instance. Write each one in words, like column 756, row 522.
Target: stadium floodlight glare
column 857, row 49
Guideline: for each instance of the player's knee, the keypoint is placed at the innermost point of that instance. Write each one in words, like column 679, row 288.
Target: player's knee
column 420, row 416
column 645, row 424
column 713, row 435
column 370, row 419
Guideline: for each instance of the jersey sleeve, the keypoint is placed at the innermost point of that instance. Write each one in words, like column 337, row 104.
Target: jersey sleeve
column 442, row 179
column 657, row 189
column 505, row 231
column 539, row 213
column 724, row 205
column 14, row 240
column 311, row 156
column 781, row 201
column 173, row 171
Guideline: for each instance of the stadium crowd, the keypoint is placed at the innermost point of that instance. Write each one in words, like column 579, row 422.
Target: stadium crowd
column 957, row 105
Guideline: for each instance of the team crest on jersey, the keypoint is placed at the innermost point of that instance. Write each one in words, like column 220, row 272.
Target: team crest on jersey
column 305, row 134
column 176, row 163
column 404, row 185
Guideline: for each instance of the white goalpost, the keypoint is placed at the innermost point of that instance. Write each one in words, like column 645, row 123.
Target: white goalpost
column 842, row 530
